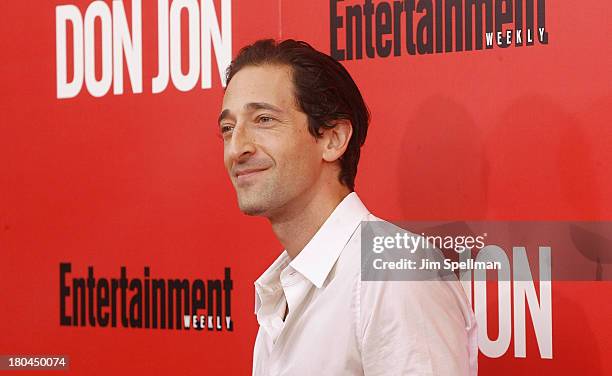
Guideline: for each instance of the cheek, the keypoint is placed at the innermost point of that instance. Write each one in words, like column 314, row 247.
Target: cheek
column 302, row 159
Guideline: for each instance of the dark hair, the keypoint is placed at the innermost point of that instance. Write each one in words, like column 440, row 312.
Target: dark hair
column 324, row 91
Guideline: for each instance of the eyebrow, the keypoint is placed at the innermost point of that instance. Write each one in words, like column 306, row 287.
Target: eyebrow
column 252, row 106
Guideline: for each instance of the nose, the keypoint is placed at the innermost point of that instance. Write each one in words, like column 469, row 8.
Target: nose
column 241, row 144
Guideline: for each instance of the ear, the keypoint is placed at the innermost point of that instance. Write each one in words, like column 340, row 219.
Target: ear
column 335, row 140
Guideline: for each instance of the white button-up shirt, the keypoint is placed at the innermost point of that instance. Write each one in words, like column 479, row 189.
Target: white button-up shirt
column 340, row 325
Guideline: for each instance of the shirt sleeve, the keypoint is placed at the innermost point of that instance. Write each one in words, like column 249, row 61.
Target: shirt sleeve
column 416, row 328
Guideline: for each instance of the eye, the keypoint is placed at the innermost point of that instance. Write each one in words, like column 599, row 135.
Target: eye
column 264, row 119
column 225, row 132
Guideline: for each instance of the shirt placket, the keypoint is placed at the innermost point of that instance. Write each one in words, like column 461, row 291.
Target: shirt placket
column 269, row 315
column 295, row 287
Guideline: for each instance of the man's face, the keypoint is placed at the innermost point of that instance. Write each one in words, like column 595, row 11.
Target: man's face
column 272, row 159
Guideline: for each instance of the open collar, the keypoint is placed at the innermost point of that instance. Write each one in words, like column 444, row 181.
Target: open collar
column 320, row 254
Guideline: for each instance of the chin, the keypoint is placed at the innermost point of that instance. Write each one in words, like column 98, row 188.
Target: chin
column 258, row 203
column 249, row 207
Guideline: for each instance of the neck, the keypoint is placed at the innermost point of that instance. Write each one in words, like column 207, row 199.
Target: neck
column 299, row 223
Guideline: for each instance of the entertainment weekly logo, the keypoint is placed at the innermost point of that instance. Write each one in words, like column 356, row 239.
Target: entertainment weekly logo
column 76, row 33
column 419, row 27
column 144, row 302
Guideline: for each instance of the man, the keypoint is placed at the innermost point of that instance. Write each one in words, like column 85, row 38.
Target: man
column 293, row 122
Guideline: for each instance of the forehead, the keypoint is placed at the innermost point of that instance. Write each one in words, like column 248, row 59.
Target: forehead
column 260, row 84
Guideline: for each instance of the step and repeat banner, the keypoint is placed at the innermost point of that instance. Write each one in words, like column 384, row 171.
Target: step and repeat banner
column 122, row 249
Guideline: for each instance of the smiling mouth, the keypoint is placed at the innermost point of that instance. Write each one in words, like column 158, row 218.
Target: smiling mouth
column 247, row 174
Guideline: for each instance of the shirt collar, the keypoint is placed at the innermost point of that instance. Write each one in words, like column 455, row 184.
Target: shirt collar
column 320, row 254
column 318, row 257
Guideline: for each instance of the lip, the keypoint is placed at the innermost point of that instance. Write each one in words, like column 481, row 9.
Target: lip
column 248, row 173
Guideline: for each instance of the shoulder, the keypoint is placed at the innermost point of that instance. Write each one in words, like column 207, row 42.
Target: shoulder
column 424, row 326
column 429, row 293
